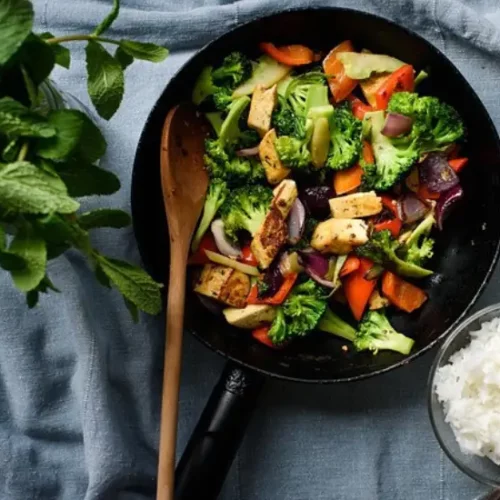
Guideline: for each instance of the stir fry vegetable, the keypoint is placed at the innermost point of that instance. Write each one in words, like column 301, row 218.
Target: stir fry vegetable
column 329, row 181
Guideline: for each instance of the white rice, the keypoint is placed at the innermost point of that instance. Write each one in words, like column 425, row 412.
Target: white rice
column 469, row 389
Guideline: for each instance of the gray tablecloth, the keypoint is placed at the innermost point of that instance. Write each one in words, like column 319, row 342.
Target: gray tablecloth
column 80, row 384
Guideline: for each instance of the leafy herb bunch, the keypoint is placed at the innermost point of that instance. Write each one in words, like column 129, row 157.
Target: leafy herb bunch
column 48, row 158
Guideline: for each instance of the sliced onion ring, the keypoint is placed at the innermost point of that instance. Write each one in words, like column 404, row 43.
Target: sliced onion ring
column 412, row 209
column 248, row 151
column 445, row 203
column 322, row 281
column 296, row 222
column 396, row 125
column 223, row 244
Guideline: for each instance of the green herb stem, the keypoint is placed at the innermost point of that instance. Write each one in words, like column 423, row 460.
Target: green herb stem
column 23, row 152
column 80, row 38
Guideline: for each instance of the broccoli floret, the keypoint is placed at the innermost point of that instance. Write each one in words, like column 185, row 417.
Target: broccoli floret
column 204, row 86
column 235, row 69
column 222, row 163
column 418, row 248
column 283, row 119
column 374, row 333
column 278, row 331
column 219, row 83
column 393, row 158
column 382, row 249
column 245, row 209
column 346, row 138
column 304, row 92
column 216, row 195
column 299, row 314
column 435, row 123
column 293, row 152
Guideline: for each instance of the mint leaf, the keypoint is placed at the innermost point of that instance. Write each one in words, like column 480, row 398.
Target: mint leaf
column 92, row 143
column 10, row 152
column 104, row 217
column 144, row 51
column 55, row 250
column 37, row 58
column 16, row 21
column 62, row 230
column 76, row 134
column 109, row 19
column 27, row 189
column 83, row 179
column 17, row 120
column 52, row 178
column 133, row 283
column 2, row 238
column 32, row 298
column 11, row 262
column 69, row 126
column 105, row 80
column 32, row 249
column 123, row 58
column 101, row 277
column 132, row 309
column 62, row 54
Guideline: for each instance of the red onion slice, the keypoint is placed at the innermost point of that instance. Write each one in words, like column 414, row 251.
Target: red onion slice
column 248, row 151
column 322, row 281
column 316, row 200
column 316, row 262
column 225, row 246
column 412, row 209
column 445, row 203
column 436, row 174
column 396, row 125
column 296, row 222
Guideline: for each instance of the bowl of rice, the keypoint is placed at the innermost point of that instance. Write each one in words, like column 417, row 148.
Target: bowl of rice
column 464, row 396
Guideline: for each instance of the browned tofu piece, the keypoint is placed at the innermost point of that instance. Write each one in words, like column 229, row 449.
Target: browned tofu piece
column 261, row 108
column 224, row 284
column 270, row 237
column 339, row 236
column 376, row 301
column 273, row 167
column 371, row 85
column 285, row 195
column 354, row 206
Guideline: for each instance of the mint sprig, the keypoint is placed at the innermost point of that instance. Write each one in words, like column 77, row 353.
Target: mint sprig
column 50, row 157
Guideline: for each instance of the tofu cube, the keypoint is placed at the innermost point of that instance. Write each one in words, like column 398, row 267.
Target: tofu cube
column 273, row 233
column 261, row 108
column 250, row 317
column 354, row 206
column 273, row 167
column 224, row 284
column 339, row 236
column 269, row 238
column 285, row 195
column 376, row 301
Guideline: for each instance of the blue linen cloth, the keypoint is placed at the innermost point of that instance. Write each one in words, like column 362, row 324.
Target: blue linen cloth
column 80, row 384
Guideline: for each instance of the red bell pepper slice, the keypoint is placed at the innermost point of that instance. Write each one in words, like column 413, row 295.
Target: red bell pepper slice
column 248, row 257
column 358, row 107
column 401, row 80
column 200, row 257
column 457, row 164
column 291, row 55
column 262, row 335
column 357, row 289
column 279, row 297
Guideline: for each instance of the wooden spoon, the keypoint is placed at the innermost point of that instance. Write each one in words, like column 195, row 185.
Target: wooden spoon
column 184, row 183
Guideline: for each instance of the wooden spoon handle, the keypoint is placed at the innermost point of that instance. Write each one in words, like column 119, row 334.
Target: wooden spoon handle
column 171, row 374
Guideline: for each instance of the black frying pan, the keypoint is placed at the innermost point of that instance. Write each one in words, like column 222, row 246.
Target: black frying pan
column 466, row 251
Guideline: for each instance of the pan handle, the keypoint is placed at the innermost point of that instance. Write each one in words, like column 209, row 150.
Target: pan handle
column 203, row 467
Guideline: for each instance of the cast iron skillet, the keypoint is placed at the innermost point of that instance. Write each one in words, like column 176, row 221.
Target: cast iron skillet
column 466, row 252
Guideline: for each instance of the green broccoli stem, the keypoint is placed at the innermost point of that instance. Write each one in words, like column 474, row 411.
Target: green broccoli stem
column 422, row 229
column 392, row 342
column 331, row 323
column 230, row 130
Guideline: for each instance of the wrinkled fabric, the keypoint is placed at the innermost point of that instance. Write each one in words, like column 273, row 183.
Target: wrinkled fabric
column 80, row 384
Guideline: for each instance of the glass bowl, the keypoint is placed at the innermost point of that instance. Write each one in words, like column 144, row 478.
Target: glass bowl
column 481, row 469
